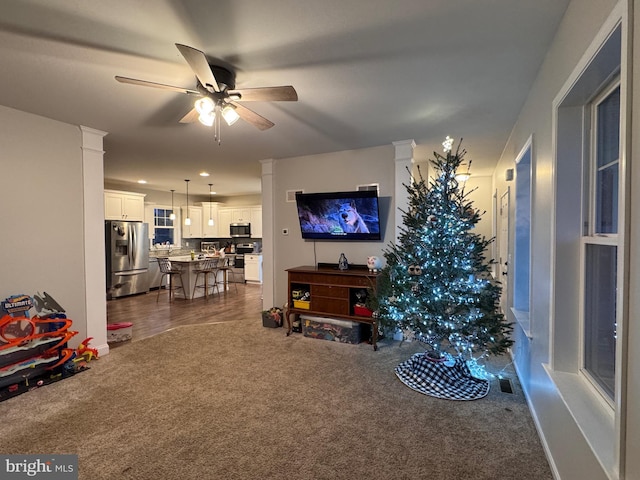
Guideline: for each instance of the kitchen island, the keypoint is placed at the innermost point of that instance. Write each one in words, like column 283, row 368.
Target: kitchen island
column 189, row 275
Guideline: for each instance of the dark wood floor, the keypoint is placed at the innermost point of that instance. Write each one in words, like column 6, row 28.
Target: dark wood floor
column 150, row 317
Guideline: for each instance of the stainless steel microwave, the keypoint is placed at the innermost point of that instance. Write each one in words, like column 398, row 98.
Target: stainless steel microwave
column 238, row 230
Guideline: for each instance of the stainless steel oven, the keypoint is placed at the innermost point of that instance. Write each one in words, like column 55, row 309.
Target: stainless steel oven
column 238, row 263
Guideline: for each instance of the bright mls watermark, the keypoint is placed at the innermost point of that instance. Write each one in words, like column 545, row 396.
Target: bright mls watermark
column 50, row 467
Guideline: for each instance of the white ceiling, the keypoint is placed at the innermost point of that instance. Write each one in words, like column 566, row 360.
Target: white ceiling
column 367, row 73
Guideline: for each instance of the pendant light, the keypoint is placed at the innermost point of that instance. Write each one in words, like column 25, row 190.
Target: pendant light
column 172, row 215
column 187, row 220
column 210, row 216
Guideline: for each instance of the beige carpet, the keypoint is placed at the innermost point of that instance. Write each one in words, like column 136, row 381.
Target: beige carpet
column 235, row 400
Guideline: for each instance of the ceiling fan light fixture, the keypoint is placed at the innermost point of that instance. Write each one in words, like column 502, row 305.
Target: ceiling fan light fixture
column 207, row 119
column 204, row 105
column 215, row 89
column 230, row 115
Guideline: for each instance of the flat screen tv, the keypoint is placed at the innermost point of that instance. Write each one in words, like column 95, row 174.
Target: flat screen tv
column 339, row 215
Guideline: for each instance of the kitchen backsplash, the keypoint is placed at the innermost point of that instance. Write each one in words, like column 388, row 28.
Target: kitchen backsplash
column 194, row 244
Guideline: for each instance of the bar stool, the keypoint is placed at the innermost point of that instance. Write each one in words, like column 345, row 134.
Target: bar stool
column 227, row 269
column 171, row 271
column 218, row 263
column 206, row 268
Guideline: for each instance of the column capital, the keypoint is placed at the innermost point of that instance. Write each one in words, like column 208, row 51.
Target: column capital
column 404, row 149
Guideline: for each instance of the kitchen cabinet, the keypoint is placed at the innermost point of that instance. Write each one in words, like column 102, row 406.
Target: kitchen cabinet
column 256, row 221
column 244, row 214
column 154, row 274
column 149, row 211
column 195, row 229
column 123, row 206
column 210, row 210
column 224, row 220
column 236, row 214
column 253, row 268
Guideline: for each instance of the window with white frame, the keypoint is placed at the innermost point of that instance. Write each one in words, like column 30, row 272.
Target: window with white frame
column 522, row 244
column 163, row 225
column 600, row 241
column 589, row 292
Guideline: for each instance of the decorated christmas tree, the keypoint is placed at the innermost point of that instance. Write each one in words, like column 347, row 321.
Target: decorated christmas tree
column 436, row 285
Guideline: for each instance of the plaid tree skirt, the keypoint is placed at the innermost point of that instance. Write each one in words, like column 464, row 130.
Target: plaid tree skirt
column 452, row 382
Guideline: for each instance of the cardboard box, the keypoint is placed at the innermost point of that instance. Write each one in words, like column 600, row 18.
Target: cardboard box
column 331, row 329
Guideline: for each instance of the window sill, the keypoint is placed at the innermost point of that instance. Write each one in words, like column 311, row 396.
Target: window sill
column 522, row 318
column 594, row 418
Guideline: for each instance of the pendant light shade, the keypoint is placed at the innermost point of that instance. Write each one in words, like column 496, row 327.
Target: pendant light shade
column 187, row 220
column 210, row 216
column 172, row 215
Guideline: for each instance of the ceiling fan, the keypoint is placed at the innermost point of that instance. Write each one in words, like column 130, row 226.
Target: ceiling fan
column 217, row 95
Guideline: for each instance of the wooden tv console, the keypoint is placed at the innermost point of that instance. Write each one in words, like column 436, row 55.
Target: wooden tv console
column 332, row 293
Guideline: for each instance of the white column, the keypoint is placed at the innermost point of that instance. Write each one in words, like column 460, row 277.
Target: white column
column 94, row 248
column 268, row 241
column 403, row 162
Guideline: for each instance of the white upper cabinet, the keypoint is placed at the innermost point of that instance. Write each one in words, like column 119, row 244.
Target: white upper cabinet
column 195, row 215
column 210, row 210
column 244, row 214
column 256, row 222
column 123, row 206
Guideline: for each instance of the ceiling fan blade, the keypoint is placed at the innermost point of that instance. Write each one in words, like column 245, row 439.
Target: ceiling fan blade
column 190, row 117
column 252, row 117
column 198, row 62
column 162, row 86
column 267, row 94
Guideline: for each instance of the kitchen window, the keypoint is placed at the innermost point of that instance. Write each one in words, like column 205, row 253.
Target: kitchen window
column 163, row 226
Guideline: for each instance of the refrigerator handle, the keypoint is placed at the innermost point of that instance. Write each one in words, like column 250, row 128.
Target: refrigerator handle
column 133, row 246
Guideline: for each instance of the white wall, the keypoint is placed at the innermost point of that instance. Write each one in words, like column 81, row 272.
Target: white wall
column 42, row 216
column 570, row 453
column 480, row 195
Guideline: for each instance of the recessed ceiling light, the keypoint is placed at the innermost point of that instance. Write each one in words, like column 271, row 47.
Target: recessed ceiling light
column 142, row 181
column 204, row 174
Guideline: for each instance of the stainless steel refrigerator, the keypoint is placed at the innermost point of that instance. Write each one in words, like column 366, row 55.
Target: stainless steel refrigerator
column 127, row 249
